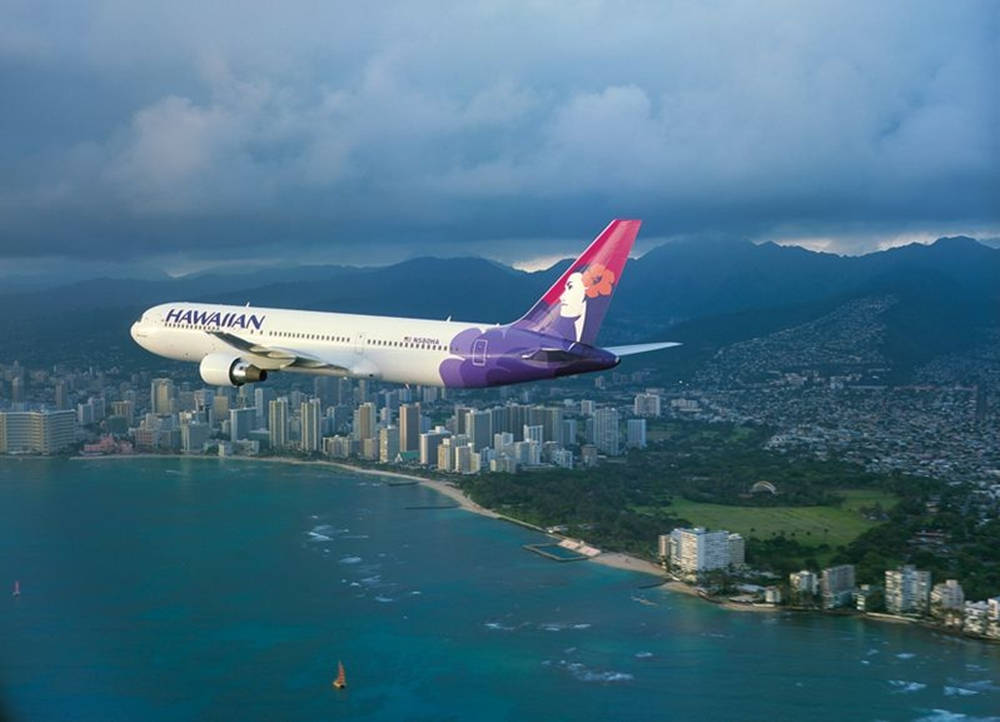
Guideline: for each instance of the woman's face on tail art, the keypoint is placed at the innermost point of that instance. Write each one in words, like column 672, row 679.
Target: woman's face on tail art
column 573, row 297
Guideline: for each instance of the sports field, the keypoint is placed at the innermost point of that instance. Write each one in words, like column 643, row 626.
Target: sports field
column 808, row 525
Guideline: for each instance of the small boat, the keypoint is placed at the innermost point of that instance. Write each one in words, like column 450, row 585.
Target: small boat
column 341, row 680
column 17, row 589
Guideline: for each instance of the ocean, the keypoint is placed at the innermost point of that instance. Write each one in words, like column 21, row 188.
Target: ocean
column 203, row 589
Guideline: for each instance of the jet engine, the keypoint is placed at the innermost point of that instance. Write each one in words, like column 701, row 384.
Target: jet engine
column 219, row 369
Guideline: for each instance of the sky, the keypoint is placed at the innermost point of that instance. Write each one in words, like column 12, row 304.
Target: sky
column 172, row 136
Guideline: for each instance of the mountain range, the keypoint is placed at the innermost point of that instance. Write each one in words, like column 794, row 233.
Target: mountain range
column 707, row 293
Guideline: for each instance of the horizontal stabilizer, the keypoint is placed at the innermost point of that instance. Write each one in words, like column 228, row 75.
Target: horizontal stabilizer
column 640, row 348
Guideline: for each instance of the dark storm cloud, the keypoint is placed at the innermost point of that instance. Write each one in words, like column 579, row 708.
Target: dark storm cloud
column 159, row 129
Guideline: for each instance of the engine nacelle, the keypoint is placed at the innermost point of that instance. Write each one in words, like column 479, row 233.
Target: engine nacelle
column 220, row 369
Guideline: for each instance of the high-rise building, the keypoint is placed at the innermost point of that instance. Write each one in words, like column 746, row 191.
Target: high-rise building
column 737, row 550
column 459, row 419
column 364, row 421
column 479, row 428
column 388, row 444
column 17, row 389
column 646, row 404
column 463, row 459
column 571, row 429
column 804, row 582
column 310, row 415
column 446, row 454
column 563, row 458
column 409, row 427
column 697, row 550
column 587, row 408
column 534, row 433
column 262, row 396
column 907, row 590
column 836, row 584
column 277, row 423
column 220, row 404
column 636, row 434
column 663, row 547
column 161, row 396
column 241, row 423
column 552, row 422
column 607, row 436
column 125, row 409
column 61, row 395
column 429, row 443
column 194, row 437
column 36, row 432
column 948, row 596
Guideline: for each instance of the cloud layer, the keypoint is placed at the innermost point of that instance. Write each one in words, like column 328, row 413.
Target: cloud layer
column 170, row 128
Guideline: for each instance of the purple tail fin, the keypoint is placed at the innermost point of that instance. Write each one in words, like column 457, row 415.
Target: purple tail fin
column 574, row 307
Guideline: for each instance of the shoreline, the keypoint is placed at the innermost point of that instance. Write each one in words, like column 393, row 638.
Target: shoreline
column 615, row 560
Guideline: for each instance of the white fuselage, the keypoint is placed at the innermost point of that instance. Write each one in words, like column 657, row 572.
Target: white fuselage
column 400, row 350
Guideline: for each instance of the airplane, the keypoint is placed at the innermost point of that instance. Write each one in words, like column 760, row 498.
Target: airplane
column 236, row 345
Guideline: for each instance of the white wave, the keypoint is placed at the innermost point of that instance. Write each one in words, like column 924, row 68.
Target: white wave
column 643, row 655
column 416, row 592
column 584, row 674
column 316, row 536
column 903, row 686
column 865, row 661
column 975, row 667
column 905, row 655
column 374, row 579
column 355, row 584
column 355, row 536
column 871, row 652
column 984, row 685
column 581, row 626
column 943, row 715
column 497, row 626
column 551, row 627
column 384, row 600
column 959, row 692
column 323, row 529
column 350, row 560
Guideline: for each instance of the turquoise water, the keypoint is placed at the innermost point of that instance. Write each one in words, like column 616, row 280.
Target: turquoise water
column 157, row 589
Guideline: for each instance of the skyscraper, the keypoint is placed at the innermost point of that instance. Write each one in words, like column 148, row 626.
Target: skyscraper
column 161, row 396
column 388, row 444
column 262, row 396
column 241, row 423
column 429, row 444
column 479, row 427
column 364, row 421
column 907, row 590
column 607, row 437
column 277, row 423
column 409, row 427
column 310, row 415
column 636, row 438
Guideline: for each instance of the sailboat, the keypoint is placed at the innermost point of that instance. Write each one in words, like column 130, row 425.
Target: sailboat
column 17, row 589
column 341, row 680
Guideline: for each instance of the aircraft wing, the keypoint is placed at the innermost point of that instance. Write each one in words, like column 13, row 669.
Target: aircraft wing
column 280, row 357
column 640, row 348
